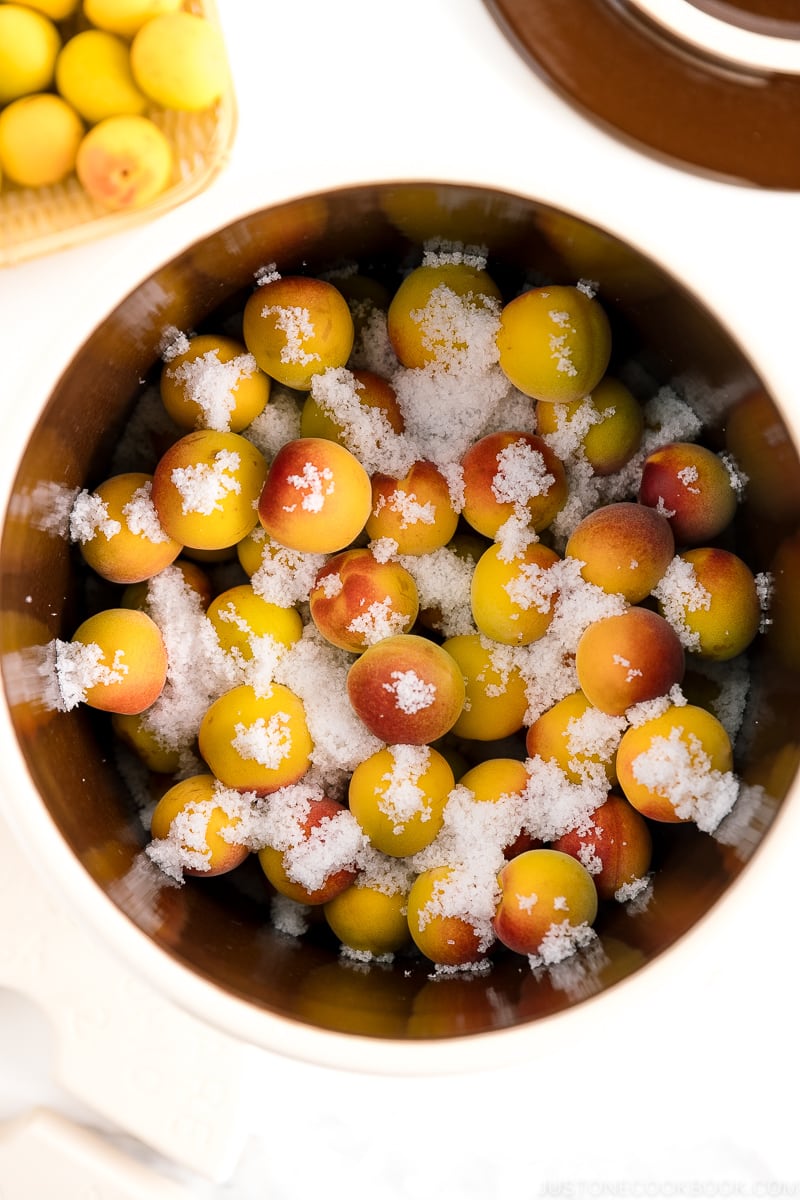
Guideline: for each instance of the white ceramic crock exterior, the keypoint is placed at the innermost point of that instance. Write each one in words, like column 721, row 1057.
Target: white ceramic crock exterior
column 498, row 126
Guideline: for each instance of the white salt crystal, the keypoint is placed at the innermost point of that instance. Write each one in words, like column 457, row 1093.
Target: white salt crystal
column 295, row 323
column 647, row 710
column 285, row 577
column 203, row 486
column 211, row 384
column 383, row 549
column 401, row 796
column 593, row 734
column 681, row 770
column 269, row 273
column 315, row 486
column 317, row 672
column 443, row 580
column 561, row 941
column 737, row 476
column 406, row 506
column 288, row 917
column 554, row 805
column 172, row 342
column 680, row 591
column 380, row 620
column 630, row 891
column 372, row 349
column 89, row 516
column 198, row 670
column 266, row 742
column 411, row 694
column 80, row 666
column 366, row 431
column 560, row 349
column 277, row 424
column 521, row 474
column 437, row 252
column 141, row 516
column 47, row 506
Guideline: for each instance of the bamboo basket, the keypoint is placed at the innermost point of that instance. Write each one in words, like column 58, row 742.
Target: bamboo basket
column 37, row 221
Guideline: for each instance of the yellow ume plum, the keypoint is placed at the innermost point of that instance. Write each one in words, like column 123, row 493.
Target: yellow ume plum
column 316, row 497
column 40, row 139
column 126, row 17
column 206, row 488
column 545, row 896
column 398, row 794
column 130, row 660
column 93, row 72
column 240, row 617
column 256, row 742
column 423, row 322
column 368, row 920
column 178, row 60
column 129, row 545
column 29, row 46
column 296, row 327
column 512, row 601
column 554, row 343
column 192, row 813
column 215, row 384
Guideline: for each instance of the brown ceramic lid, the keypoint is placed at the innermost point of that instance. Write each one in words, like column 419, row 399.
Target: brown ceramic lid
column 630, row 74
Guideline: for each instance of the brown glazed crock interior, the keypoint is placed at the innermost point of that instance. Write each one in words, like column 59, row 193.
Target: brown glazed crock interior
column 220, row 928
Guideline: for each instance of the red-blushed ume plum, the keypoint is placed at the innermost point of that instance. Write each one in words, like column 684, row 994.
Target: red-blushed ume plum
column 357, row 600
column 507, row 472
column 624, row 548
column 416, row 511
column 316, row 498
column 615, row 846
column 277, row 865
column 694, row 489
column 406, row 690
column 625, row 659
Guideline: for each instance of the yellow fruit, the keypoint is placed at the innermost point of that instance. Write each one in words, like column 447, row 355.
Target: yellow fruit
column 93, row 72
column 126, row 17
column 178, row 60
column 56, row 10
column 39, row 140
column 124, row 162
column 29, row 45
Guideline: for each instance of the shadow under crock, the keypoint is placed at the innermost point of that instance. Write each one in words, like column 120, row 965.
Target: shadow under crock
column 220, row 928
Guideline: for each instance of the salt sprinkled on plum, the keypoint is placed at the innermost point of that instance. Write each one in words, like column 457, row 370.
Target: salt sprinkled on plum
column 211, row 384
column 89, row 516
column 683, row 771
column 80, row 666
column 141, row 515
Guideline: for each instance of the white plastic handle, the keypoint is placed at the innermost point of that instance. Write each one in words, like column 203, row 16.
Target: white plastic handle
column 151, row 1070
column 43, row 1155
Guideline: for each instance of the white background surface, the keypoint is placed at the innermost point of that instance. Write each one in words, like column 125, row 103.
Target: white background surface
column 682, row 1088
